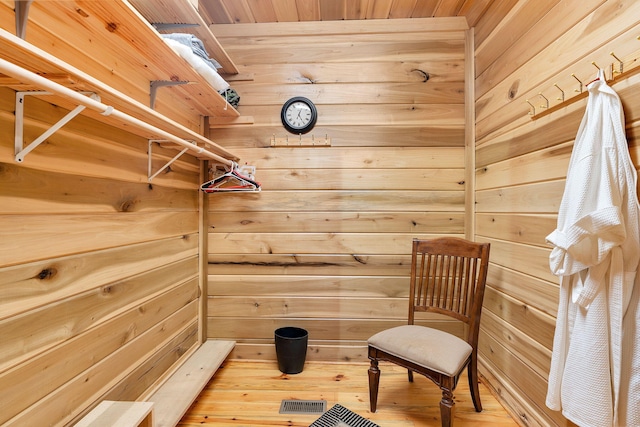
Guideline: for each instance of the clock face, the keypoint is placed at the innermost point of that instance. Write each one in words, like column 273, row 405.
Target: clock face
column 299, row 115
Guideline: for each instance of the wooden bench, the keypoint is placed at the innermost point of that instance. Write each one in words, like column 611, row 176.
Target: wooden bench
column 174, row 397
column 113, row 413
column 165, row 406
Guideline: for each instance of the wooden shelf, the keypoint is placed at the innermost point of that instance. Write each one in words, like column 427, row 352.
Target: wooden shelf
column 147, row 123
column 114, row 43
column 184, row 12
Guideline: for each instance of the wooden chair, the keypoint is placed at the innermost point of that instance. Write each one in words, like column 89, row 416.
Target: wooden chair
column 448, row 276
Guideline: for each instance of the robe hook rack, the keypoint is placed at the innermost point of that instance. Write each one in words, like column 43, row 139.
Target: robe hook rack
column 616, row 72
column 299, row 141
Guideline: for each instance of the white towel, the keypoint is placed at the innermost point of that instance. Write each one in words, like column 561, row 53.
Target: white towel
column 207, row 71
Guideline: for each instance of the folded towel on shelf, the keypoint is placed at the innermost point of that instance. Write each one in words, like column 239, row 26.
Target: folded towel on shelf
column 196, row 45
column 191, row 49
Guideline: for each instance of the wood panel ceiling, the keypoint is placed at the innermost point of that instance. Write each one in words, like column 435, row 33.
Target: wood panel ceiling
column 251, row 11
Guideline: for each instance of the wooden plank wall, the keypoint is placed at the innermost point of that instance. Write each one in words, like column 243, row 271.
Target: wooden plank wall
column 325, row 246
column 521, row 170
column 98, row 269
column 99, row 280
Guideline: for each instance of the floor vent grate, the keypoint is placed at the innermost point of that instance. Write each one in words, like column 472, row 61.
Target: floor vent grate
column 294, row 406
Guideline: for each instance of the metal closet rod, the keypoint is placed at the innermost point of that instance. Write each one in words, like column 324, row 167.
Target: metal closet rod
column 27, row 76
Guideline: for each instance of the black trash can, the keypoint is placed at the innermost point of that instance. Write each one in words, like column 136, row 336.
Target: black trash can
column 291, row 349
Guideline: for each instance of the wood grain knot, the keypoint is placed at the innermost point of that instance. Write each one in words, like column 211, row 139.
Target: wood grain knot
column 127, row 205
column 425, row 76
column 513, row 90
column 47, row 273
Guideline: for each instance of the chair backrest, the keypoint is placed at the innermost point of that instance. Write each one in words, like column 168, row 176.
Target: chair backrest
column 448, row 276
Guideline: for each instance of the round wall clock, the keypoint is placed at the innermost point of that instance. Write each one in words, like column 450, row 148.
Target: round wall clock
column 299, row 115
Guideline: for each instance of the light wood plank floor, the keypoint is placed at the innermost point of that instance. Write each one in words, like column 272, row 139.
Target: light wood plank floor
column 244, row 393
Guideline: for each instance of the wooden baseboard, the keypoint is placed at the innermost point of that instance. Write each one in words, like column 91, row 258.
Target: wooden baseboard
column 514, row 404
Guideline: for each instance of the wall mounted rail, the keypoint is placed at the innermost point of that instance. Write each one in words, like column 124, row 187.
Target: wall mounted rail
column 114, row 108
column 617, row 72
column 91, row 103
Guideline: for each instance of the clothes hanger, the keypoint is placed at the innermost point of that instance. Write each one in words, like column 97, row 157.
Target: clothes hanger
column 231, row 180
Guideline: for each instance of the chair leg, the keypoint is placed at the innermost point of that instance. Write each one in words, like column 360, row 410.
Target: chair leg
column 472, row 370
column 410, row 374
column 446, row 408
column 374, row 382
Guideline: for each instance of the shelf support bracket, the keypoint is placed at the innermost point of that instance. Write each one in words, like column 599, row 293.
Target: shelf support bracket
column 22, row 14
column 161, row 26
column 157, row 84
column 20, row 150
column 150, row 173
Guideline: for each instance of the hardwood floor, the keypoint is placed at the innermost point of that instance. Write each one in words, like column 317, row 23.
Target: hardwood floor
column 245, row 393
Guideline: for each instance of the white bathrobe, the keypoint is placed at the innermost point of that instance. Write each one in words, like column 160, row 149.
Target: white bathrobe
column 596, row 254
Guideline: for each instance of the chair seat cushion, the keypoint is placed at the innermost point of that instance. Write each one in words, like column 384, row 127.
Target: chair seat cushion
column 431, row 348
